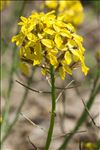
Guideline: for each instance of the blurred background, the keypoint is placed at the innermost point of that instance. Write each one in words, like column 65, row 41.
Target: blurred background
column 36, row 106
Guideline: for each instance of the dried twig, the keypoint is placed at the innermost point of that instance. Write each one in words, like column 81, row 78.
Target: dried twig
column 87, row 110
column 64, row 90
column 58, row 136
column 35, row 148
column 47, row 78
column 97, row 115
column 66, row 134
column 47, row 92
column 89, row 114
column 32, row 123
column 34, row 90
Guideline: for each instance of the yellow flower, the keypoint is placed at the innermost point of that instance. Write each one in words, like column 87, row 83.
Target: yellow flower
column 51, row 4
column 18, row 39
column 45, row 40
column 89, row 146
column 68, row 11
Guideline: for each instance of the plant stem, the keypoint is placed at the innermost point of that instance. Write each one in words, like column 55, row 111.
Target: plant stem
column 79, row 123
column 13, row 67
column 98, row 145
column 84, row 115
column 10, row 84
column 52, row 120
column 19, row 109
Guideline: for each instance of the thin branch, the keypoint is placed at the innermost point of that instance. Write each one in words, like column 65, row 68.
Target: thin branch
column 47, row 78
column 66, row 134
column 48, row 92
column 63, row 90
column 89, row 113
column 34, row 90
column 55, row 137
column 66, row 88
column 87, row 110
column 35, row 148
column 97, row 115
column 32, row 123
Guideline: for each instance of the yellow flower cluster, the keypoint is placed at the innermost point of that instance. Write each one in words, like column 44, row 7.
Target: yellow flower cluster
column 3, row 3
column 68, row 11
column 45, row 40
column 89, row 146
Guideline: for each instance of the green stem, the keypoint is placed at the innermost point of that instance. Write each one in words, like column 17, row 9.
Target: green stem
column 79, row 123
column 52, row 120
column 13, row 67
column 19, row 109
column 98, row 145
column 84, row 115
column 10, row 84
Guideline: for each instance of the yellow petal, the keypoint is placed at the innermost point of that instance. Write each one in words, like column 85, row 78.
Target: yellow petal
column 52, row 51
column 56, row 28
column 68, row 57
column 61, row 24
column 58, row 40
column 36, row 62
column 53, row 60
column 41, row 35
column 62, row 73
column 37, row 53
column 78, row 54
column 24, row 68
column 78, row 37
column 18, row 39
column 51, row 4
column 48, row 43
column 75, row 58
column 68, row 70
column 43, row 71
column 85, row 69
column 49, row 31
column 70, row 27
column 32, row 37
column 23, row 19
column 72, row 43
column 65, row 33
